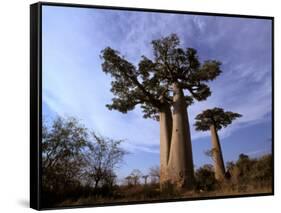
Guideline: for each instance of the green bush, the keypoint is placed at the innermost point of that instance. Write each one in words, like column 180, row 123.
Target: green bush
column 205, row 178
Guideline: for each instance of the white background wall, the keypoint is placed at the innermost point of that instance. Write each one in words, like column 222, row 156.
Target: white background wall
column 14, row 105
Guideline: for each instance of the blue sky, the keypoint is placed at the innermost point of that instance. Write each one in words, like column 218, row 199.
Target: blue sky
column 74, row 84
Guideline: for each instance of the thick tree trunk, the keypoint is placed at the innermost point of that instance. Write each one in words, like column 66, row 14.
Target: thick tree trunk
column 165, row 120
column 217, row 155
column 180, row 165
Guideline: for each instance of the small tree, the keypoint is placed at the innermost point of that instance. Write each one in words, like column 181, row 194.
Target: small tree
column 154, row 173
column 63, row 144
column 136, row 175
column 103, row 157
column 64, row 141
column 244, row 165
column 205, row 178
column 214, row 120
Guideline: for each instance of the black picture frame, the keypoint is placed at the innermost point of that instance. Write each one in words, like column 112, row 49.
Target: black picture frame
column 36, row 100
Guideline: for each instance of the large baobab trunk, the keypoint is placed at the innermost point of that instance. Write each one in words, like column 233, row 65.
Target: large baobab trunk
column 217, row 154
column 180, row 165
column 165, row 119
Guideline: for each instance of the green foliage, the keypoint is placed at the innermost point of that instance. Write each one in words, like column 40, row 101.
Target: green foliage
column 253, row 170
column 216, row 116
column 103, row 156
column 76, row 162
column 150, row 84
column 62, row 153
column 205, row 178
column 263, row 169
column 246, row 174
column 131, row 86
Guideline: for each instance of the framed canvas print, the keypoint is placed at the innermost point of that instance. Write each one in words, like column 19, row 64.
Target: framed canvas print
column 133, row 105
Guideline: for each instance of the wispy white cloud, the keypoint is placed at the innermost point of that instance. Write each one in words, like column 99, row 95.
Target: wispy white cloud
column 132, row 147
column 74, row 85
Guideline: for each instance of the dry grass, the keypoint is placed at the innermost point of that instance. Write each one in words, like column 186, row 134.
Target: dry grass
column 152, row 193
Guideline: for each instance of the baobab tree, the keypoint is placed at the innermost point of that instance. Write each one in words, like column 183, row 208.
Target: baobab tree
column 158, row 85
column 145, row 177
column 128, row 180
column 136, row 175
column 214, row 120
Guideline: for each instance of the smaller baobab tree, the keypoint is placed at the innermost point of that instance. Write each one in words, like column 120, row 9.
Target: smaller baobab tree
column 214, row 120
column 145, row 177
column 136, row 176
column 128, row 180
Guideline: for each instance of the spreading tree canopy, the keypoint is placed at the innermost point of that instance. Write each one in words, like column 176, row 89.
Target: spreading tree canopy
column 150, row 83
column 216, row 116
